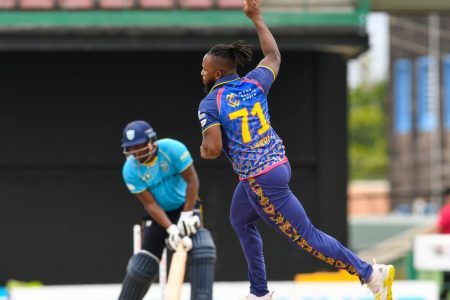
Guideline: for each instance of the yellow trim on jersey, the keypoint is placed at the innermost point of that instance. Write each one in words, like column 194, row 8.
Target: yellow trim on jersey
column 152, row 162
column 185, row 155
column 186, row 167
column 222, row 83
column 271, row 70
column 210, row 127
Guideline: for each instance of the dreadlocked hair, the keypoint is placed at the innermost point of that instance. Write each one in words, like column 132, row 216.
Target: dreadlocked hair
column 237, row 52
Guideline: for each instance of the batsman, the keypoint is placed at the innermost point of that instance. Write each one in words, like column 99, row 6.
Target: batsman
column 161, row 174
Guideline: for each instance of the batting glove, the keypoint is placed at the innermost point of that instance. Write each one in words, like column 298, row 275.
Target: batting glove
column 187, row 243
column 189, row 223
column 174, row 238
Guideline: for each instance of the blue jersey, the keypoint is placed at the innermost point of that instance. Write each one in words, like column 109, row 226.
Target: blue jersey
column 163, row 176
column 239, row 106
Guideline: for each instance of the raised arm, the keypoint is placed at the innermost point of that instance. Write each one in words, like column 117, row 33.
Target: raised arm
column 272, row 57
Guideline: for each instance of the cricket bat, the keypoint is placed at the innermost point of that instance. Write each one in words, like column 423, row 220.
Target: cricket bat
column 137, row 238
column 176, row 273
column 163, row 273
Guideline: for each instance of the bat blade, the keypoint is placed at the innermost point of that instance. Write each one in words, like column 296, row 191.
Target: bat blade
column 176, row 274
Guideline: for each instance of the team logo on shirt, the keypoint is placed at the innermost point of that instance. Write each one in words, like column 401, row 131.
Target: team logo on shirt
column 164, row 166
column 231, row 101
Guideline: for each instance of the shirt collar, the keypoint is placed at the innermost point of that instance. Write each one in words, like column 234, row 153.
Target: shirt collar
column 224, row 80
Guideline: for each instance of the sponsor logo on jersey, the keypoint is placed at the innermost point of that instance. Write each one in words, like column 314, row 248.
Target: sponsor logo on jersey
column 146, row 177
column 201, row 115
column 248, row 94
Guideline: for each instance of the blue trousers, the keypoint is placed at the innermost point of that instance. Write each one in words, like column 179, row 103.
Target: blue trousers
column 268, row 197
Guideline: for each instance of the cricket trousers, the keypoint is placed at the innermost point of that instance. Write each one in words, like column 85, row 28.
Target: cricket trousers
column 268, row 197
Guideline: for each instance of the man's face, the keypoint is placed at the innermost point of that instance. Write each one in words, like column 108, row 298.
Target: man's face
column 142, row 152
column 210, row 73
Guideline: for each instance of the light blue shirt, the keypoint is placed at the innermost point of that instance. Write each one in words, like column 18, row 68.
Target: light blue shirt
column 163, row 178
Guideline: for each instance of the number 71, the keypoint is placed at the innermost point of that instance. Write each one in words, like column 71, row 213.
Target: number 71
column 257, row 110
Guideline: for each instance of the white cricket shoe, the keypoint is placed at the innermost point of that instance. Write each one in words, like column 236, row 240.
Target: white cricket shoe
column 380, row 282
column 265, row 297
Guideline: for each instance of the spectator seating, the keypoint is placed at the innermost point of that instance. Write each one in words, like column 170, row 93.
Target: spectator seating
column 156, row 4
column 230, row 3
column 76, row 4
column 196, row 4
column 307, row 5
column 115, row 4
column 7, row 4
column 37, row 4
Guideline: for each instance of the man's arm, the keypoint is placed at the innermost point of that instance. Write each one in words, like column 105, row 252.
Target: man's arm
column 190, row 176
column 153, row 209
column 212, row 143
column 272, row 56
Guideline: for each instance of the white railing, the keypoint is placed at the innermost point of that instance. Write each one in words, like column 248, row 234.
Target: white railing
column 397, row 246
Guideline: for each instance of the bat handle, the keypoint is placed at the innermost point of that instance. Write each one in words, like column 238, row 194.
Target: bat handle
column 181, row 247
column 137, row 238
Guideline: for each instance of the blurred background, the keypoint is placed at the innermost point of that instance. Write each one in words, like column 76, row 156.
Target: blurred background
column 362, row 103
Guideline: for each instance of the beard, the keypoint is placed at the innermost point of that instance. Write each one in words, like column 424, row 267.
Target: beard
column 208, row 86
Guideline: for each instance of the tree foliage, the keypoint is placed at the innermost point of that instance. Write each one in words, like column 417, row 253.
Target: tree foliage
column 368, row 131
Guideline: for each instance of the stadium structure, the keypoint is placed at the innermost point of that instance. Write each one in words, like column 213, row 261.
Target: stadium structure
column 74, row 72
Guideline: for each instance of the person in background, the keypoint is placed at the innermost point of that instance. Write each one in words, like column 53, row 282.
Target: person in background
column 443, row 227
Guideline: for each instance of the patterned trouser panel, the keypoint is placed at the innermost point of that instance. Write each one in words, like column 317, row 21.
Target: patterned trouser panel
column 271, row 199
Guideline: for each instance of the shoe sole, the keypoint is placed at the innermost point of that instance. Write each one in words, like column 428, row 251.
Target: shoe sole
column 389, row 281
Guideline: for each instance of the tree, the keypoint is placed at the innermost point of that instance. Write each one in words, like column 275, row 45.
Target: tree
column 368, row 131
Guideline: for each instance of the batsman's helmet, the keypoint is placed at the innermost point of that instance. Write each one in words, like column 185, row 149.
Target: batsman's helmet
column 137, row 132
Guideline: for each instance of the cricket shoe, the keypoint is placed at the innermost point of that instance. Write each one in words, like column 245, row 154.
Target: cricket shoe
column 265, row 297
column 380, row 282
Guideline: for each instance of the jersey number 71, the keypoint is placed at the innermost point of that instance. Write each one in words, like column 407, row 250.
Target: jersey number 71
column 243, row 113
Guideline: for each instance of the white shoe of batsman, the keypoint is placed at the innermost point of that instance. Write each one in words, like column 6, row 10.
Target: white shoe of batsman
column 380, row 282
column 265, row 297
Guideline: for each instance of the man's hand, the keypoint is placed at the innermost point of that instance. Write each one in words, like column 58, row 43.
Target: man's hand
column 174, row 237
column 187, row 243
column 252, row 8
column 202, row 152
column 272, row 56
column 188, row 223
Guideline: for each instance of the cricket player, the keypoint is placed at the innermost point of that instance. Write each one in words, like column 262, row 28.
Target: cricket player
column 161, row 174
column 234, row 119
